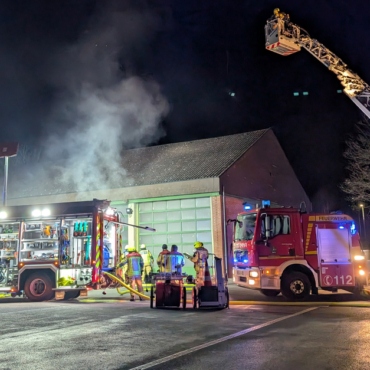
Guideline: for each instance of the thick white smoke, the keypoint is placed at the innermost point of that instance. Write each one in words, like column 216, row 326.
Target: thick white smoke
column 108, row 120
column 101, row 105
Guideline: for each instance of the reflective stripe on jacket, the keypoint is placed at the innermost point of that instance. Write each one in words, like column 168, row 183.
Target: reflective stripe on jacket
column 174, row 259
column 200, row 258
column 147, row 257
column 134, row 263
column 161, row 260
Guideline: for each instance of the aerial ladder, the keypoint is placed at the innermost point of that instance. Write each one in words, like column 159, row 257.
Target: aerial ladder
column 285, row 38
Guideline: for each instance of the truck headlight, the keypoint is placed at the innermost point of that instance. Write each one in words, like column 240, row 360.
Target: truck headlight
column 253, row 274
column 362, row 272
column 359, row 258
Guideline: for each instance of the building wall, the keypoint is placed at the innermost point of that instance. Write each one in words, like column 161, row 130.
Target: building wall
column 233, row 207
column 264, row 173
column 217, row 227
column 198, row 186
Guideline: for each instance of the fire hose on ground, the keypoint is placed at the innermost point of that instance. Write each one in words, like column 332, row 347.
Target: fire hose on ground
column 118, row 280
column 145, row 286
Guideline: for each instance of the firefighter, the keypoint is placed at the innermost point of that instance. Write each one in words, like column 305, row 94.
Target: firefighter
column 199, row 258
column 148, row 262
column 135, row 265
column 161, row 260
column 176, row 260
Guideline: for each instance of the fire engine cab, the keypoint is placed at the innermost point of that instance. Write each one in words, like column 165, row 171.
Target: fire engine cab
column 289, row 251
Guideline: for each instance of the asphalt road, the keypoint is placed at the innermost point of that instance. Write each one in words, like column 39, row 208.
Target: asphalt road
column 103, row 332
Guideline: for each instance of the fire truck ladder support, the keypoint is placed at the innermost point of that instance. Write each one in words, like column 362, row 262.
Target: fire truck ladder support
column 285, row 38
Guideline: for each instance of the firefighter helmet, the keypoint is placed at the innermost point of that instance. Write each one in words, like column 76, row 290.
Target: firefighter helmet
column 142, row 246
column 198, row 245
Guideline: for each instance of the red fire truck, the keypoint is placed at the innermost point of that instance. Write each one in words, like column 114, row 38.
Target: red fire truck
column 289, row 251
column 58, row 250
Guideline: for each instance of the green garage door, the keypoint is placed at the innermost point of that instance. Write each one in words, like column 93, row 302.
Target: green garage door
column 181, row 222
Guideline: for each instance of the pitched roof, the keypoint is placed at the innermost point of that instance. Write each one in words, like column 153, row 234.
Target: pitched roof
column 190, row 160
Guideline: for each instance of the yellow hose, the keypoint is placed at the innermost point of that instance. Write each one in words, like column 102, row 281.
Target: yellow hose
column 124, row 292
column 127, row 291
column 115, row 278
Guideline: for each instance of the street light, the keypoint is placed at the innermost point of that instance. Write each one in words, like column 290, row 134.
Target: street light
column 7, row 150
column 363, row 218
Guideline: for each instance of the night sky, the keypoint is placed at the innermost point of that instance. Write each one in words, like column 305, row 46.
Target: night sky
column 198, row 52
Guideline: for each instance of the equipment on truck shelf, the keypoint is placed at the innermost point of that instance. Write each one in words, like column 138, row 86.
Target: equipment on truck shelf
column 289, row 251
column 285, row 38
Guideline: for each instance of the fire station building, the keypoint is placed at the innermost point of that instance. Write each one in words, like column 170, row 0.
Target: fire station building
column 187, row 191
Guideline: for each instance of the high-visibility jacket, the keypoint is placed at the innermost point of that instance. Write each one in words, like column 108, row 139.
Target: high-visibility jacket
column 161, row 260
column 200, row 258
column 174, row 259
column 147, row 257
column 134, row 263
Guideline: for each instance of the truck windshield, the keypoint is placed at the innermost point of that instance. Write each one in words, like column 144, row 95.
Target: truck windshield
column 244, row 228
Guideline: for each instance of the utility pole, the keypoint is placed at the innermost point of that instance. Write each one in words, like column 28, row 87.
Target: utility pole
column 7, row 150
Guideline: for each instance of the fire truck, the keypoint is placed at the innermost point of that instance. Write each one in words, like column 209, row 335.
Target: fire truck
column 58, row 250
column 289, row 251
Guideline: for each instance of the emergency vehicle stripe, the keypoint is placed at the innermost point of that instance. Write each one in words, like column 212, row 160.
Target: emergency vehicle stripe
column 276, row 257
column 308, row 237
column 97, row 242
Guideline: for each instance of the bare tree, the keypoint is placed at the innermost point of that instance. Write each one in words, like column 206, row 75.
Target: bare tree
column 357, row 185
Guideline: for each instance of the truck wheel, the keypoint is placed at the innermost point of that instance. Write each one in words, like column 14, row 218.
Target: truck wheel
column 39, row 287
column 270, row 292
column 71, row 295
column 295, row 285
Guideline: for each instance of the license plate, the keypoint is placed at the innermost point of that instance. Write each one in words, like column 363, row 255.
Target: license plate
column 59, row 295
column 83, row 293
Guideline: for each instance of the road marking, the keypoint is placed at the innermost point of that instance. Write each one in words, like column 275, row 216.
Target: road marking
column 223, row 339
column 317, row 304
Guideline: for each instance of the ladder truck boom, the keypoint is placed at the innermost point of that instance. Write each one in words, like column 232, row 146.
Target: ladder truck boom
column 285, row 38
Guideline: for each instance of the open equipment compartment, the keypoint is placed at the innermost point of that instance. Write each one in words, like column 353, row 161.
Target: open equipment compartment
column 75, row 251
column 39, row 240
column 9, row 240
